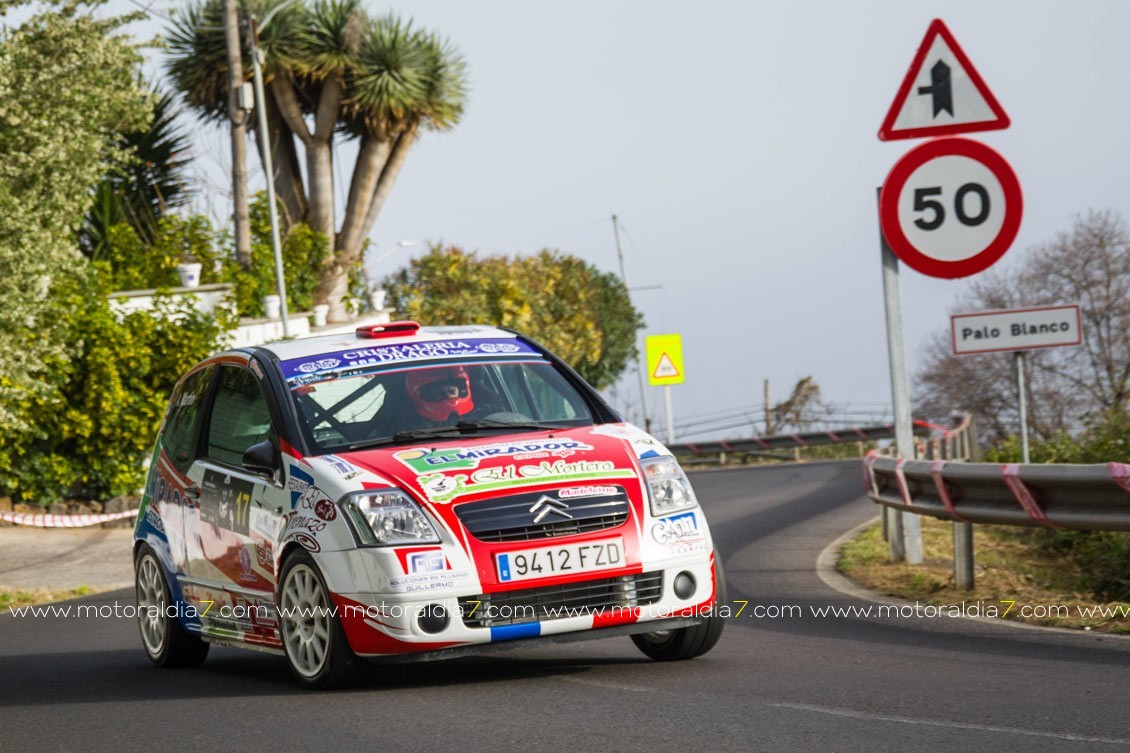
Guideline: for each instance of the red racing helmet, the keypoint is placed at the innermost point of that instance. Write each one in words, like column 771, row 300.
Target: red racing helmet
column 437, row 393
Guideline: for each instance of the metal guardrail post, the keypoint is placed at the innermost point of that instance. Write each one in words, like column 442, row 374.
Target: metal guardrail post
column 963, row 555
column 964, row 564
column 895, row 542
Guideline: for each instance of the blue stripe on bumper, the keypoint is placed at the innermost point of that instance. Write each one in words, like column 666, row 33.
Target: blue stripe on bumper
column 514, row 632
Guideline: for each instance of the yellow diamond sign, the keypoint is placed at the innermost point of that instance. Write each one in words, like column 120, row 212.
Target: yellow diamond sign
column 665, row 359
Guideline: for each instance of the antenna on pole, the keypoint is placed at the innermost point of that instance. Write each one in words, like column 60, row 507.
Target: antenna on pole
column 639, row 366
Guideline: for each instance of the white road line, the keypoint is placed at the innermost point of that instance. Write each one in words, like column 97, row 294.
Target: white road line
column 951, row 725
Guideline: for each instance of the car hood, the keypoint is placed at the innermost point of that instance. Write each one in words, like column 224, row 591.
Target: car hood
column 442, row 472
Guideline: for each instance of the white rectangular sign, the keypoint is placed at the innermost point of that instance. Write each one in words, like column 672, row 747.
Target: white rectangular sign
column 1017, row 329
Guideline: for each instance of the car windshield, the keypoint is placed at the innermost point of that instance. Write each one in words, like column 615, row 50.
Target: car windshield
column 363, row 406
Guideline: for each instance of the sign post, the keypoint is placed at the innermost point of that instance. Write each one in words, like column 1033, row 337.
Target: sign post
column 904, row 530
column 664, row 368
column 1018, row 359
column 949, row 208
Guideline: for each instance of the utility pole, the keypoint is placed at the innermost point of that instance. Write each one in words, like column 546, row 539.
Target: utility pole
column 768, row 412
column 639, row 367
column 237, row 115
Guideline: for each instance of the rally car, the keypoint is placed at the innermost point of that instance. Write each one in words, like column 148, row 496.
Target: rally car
column 409, row 491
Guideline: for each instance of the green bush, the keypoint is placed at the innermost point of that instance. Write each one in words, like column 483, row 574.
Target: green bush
column 1105, row 439
column 303, row 253
column 131, row 264
column 109, row 379
column 1102, row 556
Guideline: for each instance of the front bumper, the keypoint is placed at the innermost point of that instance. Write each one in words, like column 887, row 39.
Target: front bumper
column 395, row 624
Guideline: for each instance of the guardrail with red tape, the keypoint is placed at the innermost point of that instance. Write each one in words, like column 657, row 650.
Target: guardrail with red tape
column 1073, row 497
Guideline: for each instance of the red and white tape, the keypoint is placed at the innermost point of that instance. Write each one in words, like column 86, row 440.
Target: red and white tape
column 46, row 520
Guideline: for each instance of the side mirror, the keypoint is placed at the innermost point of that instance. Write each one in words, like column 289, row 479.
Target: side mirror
column 260, row 458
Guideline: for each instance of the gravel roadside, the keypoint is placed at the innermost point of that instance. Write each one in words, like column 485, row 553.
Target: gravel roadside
column 37, row 558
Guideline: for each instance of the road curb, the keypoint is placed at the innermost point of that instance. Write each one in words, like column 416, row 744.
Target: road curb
column 826, row 570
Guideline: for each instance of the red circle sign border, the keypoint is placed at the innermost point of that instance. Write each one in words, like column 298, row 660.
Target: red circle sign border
column 900, row 174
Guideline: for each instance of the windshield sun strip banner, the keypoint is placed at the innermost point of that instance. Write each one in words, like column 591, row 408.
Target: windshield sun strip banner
column 363, row 357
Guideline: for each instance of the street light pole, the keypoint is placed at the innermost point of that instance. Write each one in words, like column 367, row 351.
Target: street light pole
column 639, row 366
column 399, row 245
column 268, row 167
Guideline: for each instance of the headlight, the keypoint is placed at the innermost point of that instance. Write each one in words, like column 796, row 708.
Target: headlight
column 389, row 516
column 670, row 489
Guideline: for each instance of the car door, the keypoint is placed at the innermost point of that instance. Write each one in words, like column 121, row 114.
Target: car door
column 231, row 559
column 172, row 489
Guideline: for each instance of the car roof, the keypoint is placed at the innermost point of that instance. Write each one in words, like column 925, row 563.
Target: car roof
column 306, row 347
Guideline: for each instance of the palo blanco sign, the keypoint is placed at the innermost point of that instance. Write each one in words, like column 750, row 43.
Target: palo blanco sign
column 1016, row 329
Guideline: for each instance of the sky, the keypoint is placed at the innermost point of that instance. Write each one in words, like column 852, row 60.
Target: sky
column 737, row 142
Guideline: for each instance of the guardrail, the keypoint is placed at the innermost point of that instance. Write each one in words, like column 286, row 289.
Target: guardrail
column 1073, row 497
column 764, row 446
column 1069, row 497
column 932, row 440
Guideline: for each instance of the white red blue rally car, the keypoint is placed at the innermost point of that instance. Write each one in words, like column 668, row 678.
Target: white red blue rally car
column 411, row 490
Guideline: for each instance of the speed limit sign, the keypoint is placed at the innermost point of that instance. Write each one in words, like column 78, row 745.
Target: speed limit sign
column 950, row 207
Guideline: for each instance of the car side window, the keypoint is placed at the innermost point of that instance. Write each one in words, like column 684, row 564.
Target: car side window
column 541, row 393
column 240, row 416
column 178, row 439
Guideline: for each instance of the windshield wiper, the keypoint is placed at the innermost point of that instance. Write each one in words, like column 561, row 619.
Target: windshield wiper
column 470, row 427
column 430, row 431
column 488, row 423
column 459, row 429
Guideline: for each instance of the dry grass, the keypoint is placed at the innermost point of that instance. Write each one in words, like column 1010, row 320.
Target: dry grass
column 20, row 597
column 1009, row 567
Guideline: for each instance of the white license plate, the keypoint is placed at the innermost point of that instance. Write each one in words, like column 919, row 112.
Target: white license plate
column 547, row 561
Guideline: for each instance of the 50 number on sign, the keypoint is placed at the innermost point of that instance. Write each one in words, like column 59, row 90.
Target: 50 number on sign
column 923, row 202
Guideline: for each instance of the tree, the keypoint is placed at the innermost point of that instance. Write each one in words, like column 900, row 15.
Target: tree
column 68, row 86
column 583, row 315
column 150, row 182
column 801, row 409
column 1070, row 388
column 332, row 71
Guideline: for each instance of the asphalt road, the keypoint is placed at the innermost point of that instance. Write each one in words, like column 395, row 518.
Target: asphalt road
column 795, row 683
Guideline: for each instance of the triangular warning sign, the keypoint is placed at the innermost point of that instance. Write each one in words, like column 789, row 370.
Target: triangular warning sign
column 665, row 369
column 942, row 93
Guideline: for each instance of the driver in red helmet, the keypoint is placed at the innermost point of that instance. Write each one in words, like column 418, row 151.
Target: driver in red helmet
column 440, row 394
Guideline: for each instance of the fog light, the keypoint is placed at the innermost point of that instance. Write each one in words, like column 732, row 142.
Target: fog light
column 684, row 585
column 432, row 619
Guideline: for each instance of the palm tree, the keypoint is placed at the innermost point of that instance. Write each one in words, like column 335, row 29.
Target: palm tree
column 332, row 72
column 143, row 189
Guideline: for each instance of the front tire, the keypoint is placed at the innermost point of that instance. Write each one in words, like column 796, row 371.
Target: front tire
column 312, row 636
column 166, row 643
column 688, row 642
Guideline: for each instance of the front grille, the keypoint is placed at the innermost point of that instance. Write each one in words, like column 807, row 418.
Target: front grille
column 556, row 602
column 511, row 519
